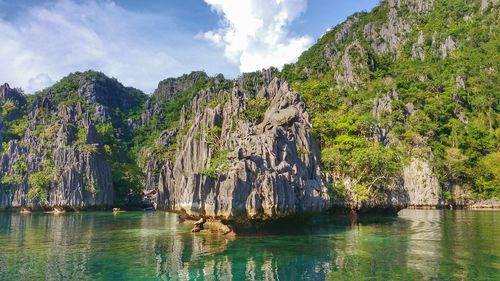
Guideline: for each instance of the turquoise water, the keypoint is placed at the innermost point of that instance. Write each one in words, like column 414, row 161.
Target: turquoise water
column 416, row 245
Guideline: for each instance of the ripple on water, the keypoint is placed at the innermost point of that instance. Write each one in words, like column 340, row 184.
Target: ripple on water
column 417, row 245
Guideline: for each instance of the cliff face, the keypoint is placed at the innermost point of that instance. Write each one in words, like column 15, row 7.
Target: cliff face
column 170, row 89
column 234, row 160
column 401, row 82
column 393, row 108
column 54, row 155
column 236, row 149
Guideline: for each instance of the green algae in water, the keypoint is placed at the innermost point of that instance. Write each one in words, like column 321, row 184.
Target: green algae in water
column 416, row 245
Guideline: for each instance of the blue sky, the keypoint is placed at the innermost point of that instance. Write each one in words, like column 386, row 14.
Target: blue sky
column 143, row 42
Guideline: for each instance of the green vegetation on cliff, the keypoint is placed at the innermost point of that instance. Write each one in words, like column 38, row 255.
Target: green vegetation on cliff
column 408, row 80
column 440, row 87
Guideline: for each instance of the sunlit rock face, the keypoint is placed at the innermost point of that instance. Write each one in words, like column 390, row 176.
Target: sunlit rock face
column 58, row 158
column 264, row 168
column 167, row 90
column 421, row 184
column 82, row 176
column 244, row 147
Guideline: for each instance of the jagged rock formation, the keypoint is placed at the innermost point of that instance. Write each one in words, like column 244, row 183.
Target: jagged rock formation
column 449, row 45
column 12, row 102
column 65, row 155
column 388, row 36
column 486, row 3
column 83, row 177
column 396, row 81
column 383, row 106
column 418, row 185
column 154, row 163
column 11, row 95
column 352, row 66
column 220, row 163
column 263, row 168
column 421, row 184
column 171, row 88
column 418, row 50
column 58, row 158
column 345, row 29
column 402, row 106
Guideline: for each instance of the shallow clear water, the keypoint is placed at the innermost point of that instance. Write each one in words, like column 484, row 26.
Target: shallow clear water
column 416, row 245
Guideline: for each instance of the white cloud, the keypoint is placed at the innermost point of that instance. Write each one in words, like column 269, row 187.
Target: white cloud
column 46, row 42
column 40, row 81
column 255, row 33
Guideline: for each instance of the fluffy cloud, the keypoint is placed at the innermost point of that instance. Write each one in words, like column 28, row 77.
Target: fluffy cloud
column 46, row 43
column 255, row 33
column 43, row 43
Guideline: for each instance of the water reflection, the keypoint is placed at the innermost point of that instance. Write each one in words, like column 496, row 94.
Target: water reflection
column 417, row 245
column 212, row 257
column 471, row 248
column 424, row 241
column 39, row 247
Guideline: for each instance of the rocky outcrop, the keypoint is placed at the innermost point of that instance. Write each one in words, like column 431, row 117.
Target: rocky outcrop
column 167, row 90
column 388, row 198
column 58, row 158
column 421, row 184
column 352, row 66
column 154, row 161
column 388, row 36
column 170, row 87
column 342, row 32
column 12, row 102
column 420, row 6
column 391, row 34
column 77, row 175
column 447, row 47
column 382, row 106
column 231, row 166
column 418, row 50
column 418, row 185
column 487, row 3
column 346, row 28
column 11, row 95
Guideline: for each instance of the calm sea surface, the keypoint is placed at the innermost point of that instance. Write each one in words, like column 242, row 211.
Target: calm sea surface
column 416, row 245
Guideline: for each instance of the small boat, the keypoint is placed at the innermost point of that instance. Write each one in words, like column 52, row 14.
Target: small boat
column 24, row 211
column 118, row 210
column 59, row 211
column 149, row 209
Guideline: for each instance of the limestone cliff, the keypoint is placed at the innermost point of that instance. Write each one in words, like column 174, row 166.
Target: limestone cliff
column 53, row 154
column 230, row 163
column 395, row 107
column 391, row 95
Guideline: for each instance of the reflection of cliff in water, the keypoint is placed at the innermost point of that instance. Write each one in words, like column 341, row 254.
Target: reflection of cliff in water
column 424, row 241
column 64, row 263
column 371, row 247
column 49, row 247
column 417, row 245
column 214, row 257
column 470, row 240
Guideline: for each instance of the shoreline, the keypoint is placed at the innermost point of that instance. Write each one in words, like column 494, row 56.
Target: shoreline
column 234, row 227
column 334, row 210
